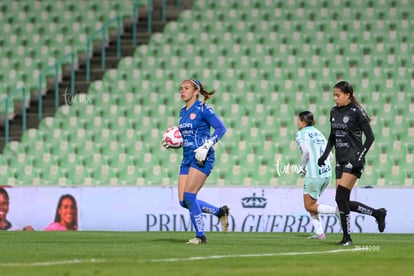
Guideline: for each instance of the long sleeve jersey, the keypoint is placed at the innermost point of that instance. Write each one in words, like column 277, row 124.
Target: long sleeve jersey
column 195, row 125
column 312, row 143
column 348, row 123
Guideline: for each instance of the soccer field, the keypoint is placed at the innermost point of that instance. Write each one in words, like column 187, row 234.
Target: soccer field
column 235, row 253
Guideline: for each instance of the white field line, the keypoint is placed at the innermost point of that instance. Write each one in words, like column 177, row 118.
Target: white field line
column 67, row 262
column 250, row 255
column 201, row 258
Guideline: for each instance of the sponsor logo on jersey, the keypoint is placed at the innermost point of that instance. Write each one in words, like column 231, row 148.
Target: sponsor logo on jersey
column 186, row 125
column 346, row 119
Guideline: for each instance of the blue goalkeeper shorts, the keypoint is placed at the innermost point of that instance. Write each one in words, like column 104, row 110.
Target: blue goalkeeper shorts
column 206, row 168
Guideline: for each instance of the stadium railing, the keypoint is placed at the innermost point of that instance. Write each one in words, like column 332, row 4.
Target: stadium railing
column 103, row 31
column 135, row 8
column 7, row 102
column 149, row 4
column 56, row 68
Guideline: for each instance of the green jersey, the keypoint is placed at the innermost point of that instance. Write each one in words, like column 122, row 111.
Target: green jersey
column 312, row 144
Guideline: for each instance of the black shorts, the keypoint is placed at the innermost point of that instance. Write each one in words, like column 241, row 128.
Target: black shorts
column 347, row 167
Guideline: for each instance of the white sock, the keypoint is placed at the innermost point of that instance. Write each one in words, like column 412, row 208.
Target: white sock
column 326, row 209
column 317, row 224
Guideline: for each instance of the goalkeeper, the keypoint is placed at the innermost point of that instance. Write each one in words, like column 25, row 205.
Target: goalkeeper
column 312, row 143
column 196, row 120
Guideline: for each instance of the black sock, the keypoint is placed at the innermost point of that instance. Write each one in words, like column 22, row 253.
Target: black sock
column 342, row 200
column 361, row 208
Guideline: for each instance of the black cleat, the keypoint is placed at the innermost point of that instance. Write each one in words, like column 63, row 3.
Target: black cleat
column 224, row 218
column 345, row 242
column 380, row 217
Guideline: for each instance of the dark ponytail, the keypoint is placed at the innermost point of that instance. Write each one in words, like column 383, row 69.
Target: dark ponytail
column 307, row 117
column 197, row 85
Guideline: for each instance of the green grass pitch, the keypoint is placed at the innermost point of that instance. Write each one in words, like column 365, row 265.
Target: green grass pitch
column 165, row 253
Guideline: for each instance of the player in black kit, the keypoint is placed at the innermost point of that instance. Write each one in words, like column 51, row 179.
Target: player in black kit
column 348, row 122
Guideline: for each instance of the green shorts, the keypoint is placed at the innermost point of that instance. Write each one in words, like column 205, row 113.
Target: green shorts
column 315, row 186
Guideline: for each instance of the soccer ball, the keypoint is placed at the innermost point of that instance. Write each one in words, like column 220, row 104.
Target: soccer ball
column 173, row 137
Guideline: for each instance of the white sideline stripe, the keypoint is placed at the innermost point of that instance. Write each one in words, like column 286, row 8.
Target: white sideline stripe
column 250, row 255
column 180, row 259
column 51, row 263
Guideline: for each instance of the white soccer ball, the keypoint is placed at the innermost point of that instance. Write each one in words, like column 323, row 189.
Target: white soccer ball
column 173, row 137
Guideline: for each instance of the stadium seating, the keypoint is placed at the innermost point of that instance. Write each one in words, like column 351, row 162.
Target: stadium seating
column 268, row 60
column 37, row 33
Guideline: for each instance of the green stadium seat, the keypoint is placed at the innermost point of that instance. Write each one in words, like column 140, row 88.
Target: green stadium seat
column 5, row 172
column 225, row 159
column 120, row 161
column 291, row 179
column 130, row 175
column 409, row 158
column 266, row 60
column 152, row 175
column 108, row 149
column 93, row 162
column 11, row 109
column 43, row 161
column 53, row 175
column 104, row 175
column 68, row 162
column 27, row 175
column 370, row 176
column 78, row 174
column 262, row 176
column 79, row 135
column 105, row 138
column 13, row 148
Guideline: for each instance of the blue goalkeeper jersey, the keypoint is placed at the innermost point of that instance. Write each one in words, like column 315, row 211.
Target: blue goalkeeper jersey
column 195, row 126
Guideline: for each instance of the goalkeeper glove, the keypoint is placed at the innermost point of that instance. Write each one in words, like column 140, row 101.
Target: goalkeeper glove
column 202, row 151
